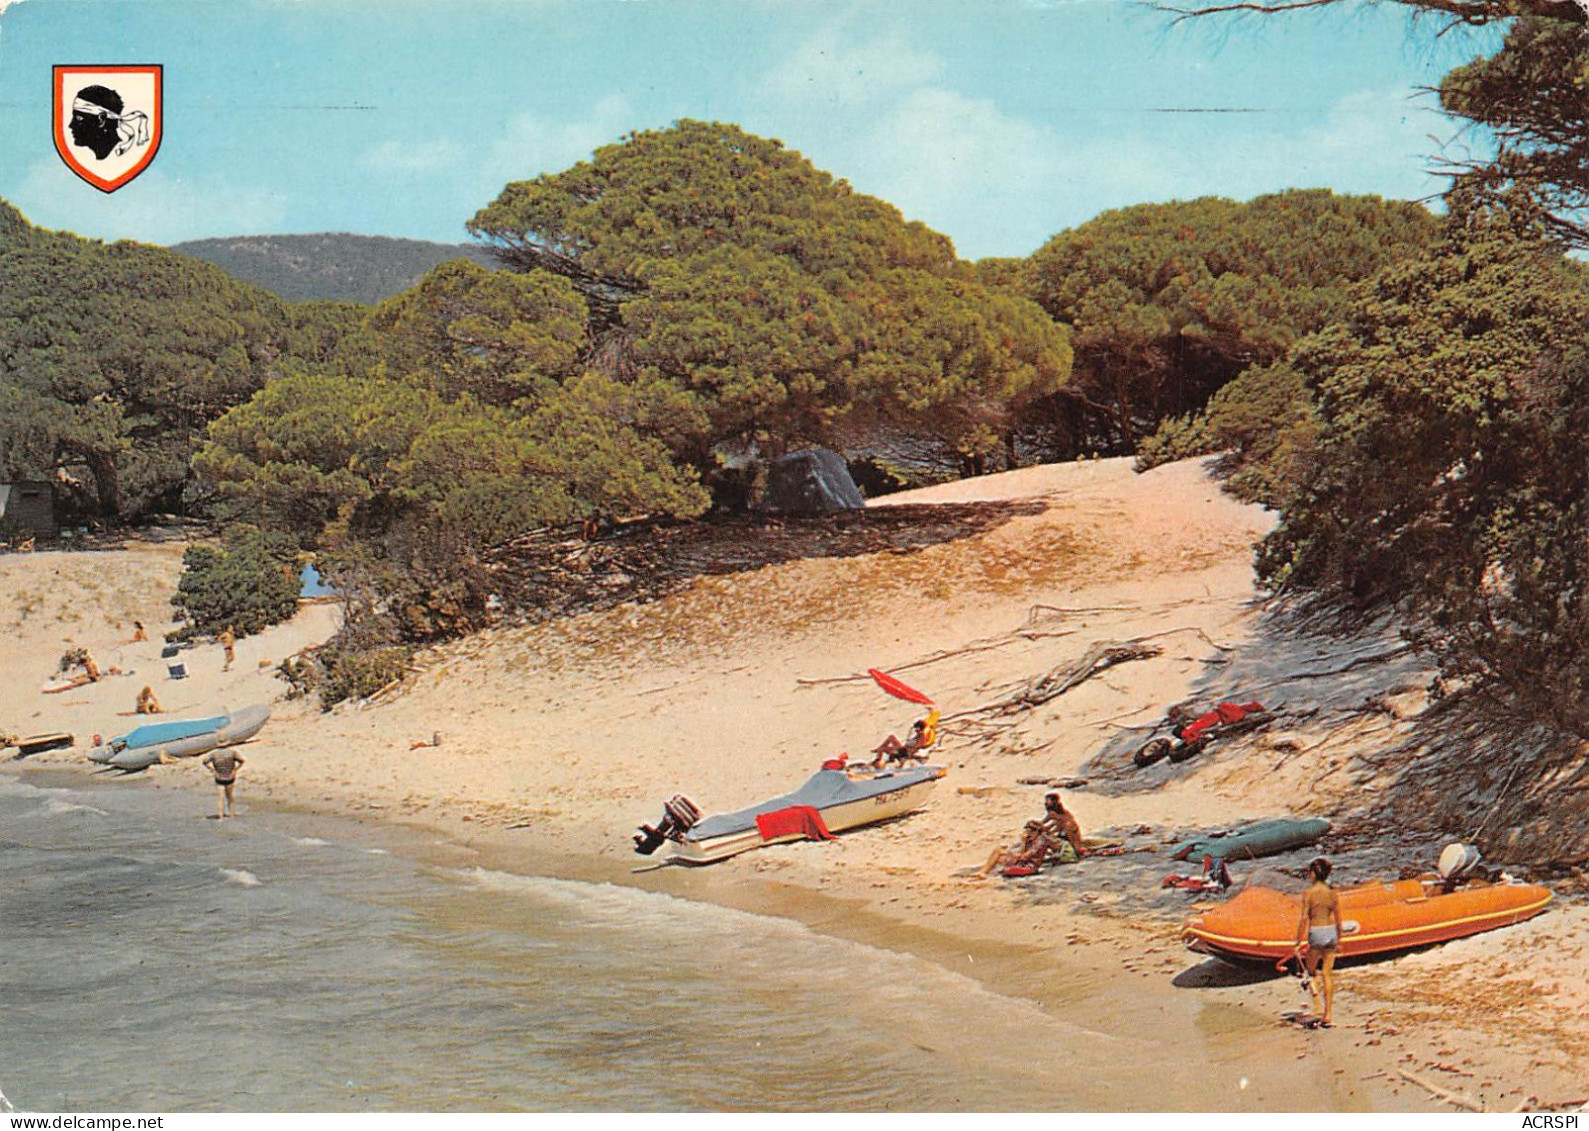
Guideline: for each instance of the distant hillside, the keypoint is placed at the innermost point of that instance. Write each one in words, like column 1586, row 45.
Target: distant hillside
column 329, row 265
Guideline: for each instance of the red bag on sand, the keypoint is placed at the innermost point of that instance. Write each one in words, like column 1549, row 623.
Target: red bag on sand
column 1222, row 715
column 1235, row 712
column 1015, row 870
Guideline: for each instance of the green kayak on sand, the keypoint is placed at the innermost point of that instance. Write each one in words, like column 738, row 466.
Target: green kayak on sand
column 1262, row 838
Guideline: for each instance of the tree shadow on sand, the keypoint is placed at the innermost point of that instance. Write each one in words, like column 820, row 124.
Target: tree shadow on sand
column 1466, row 767
column 552, row 573
column 1301, row 672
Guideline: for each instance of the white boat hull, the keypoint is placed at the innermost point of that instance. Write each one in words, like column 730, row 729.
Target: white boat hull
column 239, row 728
column 837, row 818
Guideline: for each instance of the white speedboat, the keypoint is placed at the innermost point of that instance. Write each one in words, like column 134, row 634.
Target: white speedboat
column 832, row 801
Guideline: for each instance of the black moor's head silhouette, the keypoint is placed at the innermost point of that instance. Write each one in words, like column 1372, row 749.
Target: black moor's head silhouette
column 96, row 120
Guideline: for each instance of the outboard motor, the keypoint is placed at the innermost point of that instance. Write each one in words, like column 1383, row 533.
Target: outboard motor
column 678, row 817
column 1457, row 862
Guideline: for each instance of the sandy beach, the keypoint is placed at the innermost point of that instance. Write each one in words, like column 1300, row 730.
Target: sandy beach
column 541, row 748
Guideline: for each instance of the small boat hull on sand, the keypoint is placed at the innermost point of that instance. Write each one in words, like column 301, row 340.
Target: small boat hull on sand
column 844, row 801
column 141, row 748
column 1260, row 923
column 1262, row 838
column 40, row 743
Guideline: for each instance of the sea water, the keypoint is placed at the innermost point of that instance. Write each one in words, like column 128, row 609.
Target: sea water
column 152, row 959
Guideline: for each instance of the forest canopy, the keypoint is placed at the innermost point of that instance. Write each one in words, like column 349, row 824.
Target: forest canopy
column 1167, row 303
column 115, row 357
column 770, row 304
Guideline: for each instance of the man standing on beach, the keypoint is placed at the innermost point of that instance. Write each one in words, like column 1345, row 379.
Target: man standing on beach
column 227, row 640
column 224, row 764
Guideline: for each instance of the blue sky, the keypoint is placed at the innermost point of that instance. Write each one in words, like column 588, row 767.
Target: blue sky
column 997, row 122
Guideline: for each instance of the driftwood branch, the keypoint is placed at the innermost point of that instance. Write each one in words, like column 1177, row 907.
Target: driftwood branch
column 1056, row 681
column 987, row 645
column 1456, row 1099
column 1061, row 610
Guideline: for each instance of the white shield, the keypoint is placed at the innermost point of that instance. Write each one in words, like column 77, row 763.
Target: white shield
column 107, row 121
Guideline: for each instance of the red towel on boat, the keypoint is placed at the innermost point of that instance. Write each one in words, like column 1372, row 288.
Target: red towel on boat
column 797, row 820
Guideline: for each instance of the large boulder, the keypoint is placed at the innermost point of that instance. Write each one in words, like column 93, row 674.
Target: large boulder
column 815, row 481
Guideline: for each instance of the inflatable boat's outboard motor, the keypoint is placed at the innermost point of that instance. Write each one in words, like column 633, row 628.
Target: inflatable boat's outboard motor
column 678, row 817
column 1457, row 862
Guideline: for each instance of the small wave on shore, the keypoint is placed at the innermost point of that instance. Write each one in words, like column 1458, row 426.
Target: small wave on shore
column 57, row 807
column 773, row 1001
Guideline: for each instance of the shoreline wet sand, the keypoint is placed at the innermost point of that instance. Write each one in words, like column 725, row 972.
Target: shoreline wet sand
column 558, row 740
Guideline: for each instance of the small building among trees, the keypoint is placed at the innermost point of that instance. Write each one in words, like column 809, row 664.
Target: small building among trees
column 27, row 510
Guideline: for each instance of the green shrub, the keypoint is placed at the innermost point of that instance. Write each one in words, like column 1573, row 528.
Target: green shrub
column 247, row 583
column 357, row 673
column 1179, row 437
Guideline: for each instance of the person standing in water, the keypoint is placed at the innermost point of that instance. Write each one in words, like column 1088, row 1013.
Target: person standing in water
column 1320, row 931
column 224, row 764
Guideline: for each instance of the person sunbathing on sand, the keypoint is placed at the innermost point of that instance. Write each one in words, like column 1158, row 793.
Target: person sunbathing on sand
column 1031, row 852
column 147, row 703
column 1062, row 827
column 923, row 733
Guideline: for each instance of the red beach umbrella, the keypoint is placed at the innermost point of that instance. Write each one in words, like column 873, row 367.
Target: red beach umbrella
column 897, row 689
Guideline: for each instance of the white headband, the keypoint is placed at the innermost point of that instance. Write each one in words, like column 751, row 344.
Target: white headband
column 132, row 127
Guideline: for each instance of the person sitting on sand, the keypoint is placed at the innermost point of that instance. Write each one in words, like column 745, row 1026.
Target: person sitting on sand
column 1320, row 930
column 138, row 633
column 147, row 703
column 224, row 764
column 923, row 733
column 1063, row 829
column 1031, row 852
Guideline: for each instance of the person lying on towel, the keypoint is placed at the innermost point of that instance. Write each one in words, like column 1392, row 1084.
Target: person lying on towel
column 1025, row 858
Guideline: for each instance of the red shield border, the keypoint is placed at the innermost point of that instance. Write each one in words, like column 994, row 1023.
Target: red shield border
column 58, row 125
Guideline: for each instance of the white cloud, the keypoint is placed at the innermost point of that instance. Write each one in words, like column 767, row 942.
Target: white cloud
column 154, row 208
column 827, row 70
column 531, row 144
column 959, row 164
column 1367, row 141
column 412, row 156
column 1376, row 137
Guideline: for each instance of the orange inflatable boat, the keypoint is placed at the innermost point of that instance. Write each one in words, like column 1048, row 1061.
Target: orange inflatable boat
column 1260, row 923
